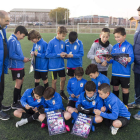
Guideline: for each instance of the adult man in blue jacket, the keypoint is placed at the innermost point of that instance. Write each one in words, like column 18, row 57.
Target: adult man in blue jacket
column 4, row 21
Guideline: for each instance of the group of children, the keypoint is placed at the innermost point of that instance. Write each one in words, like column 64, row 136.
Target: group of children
column 89, row 97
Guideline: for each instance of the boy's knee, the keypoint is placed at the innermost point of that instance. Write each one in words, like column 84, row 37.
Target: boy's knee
column 71, row 110
column 15, row 113
column 115, row 88
column 125, row 90
column 98, row 119
column 67, row 115
column 117, row 123
column 41, row 117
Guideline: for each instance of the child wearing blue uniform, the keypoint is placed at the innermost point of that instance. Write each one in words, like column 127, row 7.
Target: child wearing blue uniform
column 41, row 62
column 31, row 101
column 16, row 62
column 114, row 110
column 75, row 52
column 75, row 87
column 120, row 74
column 87, row 102
column 96, row 77
column 56, row 53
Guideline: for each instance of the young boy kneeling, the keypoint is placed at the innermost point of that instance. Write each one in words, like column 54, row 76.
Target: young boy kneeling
column 114, row 111
column 31, row 100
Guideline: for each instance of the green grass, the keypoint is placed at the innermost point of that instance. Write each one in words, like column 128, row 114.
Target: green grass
column 32, row 131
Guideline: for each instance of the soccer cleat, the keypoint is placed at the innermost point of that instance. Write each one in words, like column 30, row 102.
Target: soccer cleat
column 21, row 122
column 133, row 105
column 4, row 116
column 6, row 108
column 93, row 128
column 16, row 106
column 63, row 95
column 67, row 127
column 137, row 116
column 43, row 125
column 114, row 130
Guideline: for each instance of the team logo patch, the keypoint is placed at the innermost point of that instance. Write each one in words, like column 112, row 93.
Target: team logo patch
column 18, row 75
column 39, row 100
column 81, row 84
column 99, row 83
column 61, row 46
column 93, row 102
column 109, row 106
column 53, row 102
column 75, row 47
column 123, row 49
column 39, row 48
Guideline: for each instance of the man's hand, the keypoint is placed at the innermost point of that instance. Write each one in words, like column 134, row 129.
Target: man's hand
column 108, row 58
column 97, row 112
column 72, row 95
column 103, row 109
column 26, row 60
column 97, row 59
column 129, row 59
column 104, row 64
column 27, row 106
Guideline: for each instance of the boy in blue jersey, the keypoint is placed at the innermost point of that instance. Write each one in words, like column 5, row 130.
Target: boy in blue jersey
column 115, row 112
column 75, row 87
column 53, row 101
column 31, row 100
column 75, row 52
column 120, row 74
column 56, row 53
column 96, row 77
column 87, row 102
column 16, row 62
column 41, row 62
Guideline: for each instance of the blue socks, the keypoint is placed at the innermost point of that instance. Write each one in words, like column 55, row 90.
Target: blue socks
column 74, row 115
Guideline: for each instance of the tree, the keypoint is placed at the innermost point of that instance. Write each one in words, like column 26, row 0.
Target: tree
column 61, row 14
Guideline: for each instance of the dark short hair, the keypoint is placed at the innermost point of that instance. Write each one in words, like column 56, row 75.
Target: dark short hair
column 92, row 68
column 105, row 88
column 48, row 93
column 73, row 36
column 79, row 71
column 33, row 34
column 138, row 9
column 120, row 30
column 90, row 86
column 106, row 30
column 39, row 90
column 62, row 30
column 22, row 30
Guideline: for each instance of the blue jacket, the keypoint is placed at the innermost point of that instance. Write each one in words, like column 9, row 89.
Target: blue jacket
column 5, row 65
column 41, row 62
column 100, row 80
column 16, row 56
column 54, row 103
column 118, row 69
column 136, row 47
column 55, row 47
column 27, row 98
column 75, row 87
column 78, row 52
column 116, row 107
column 95, row 104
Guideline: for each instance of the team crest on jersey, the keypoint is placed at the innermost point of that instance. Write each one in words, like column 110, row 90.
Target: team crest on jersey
column 53, row 102
column 75, row 47
column 81, row 84
column 123, row 49
column 93, row 102
column 39, row 48
column 18, row 75
column 109, row 106
column 61, row 46
column 99, row 83
column 39, row 100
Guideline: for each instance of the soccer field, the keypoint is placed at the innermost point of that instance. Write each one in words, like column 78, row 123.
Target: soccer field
column 33, row 131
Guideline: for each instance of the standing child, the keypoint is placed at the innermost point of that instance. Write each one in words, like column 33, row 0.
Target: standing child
column 115, row 112
column 41, row 62
column 120, row 74
column 75, row 52
column 56, row 53
column 99, row 47
column 16, row 62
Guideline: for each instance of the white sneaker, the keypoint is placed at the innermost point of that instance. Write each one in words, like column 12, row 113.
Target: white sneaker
column 114, row 130
column 21, row 122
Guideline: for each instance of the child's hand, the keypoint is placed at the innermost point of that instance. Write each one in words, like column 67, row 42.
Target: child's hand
column 103, row 109
column 77, row 96
column 97, row 59
column 32, row 54
column 27, row 106
column 69, row 55
column 26, row 60
column 35, row 52
column 97, row 112
column 62, row 54
column 108, row 58
column 72, row 95
column 104, row 64
column 129, row 59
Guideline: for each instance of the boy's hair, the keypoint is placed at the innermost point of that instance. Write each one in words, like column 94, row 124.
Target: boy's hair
column 48, row 93
column 33, row 34
column 138, row 9
column 90, row 86
column 39, row 90
column 79, row 71
column 73, row 36
column 22, row 30
column 62, row 30
column 106, row 30
column 105, row 88
column 120, row 30
column 92, row 68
